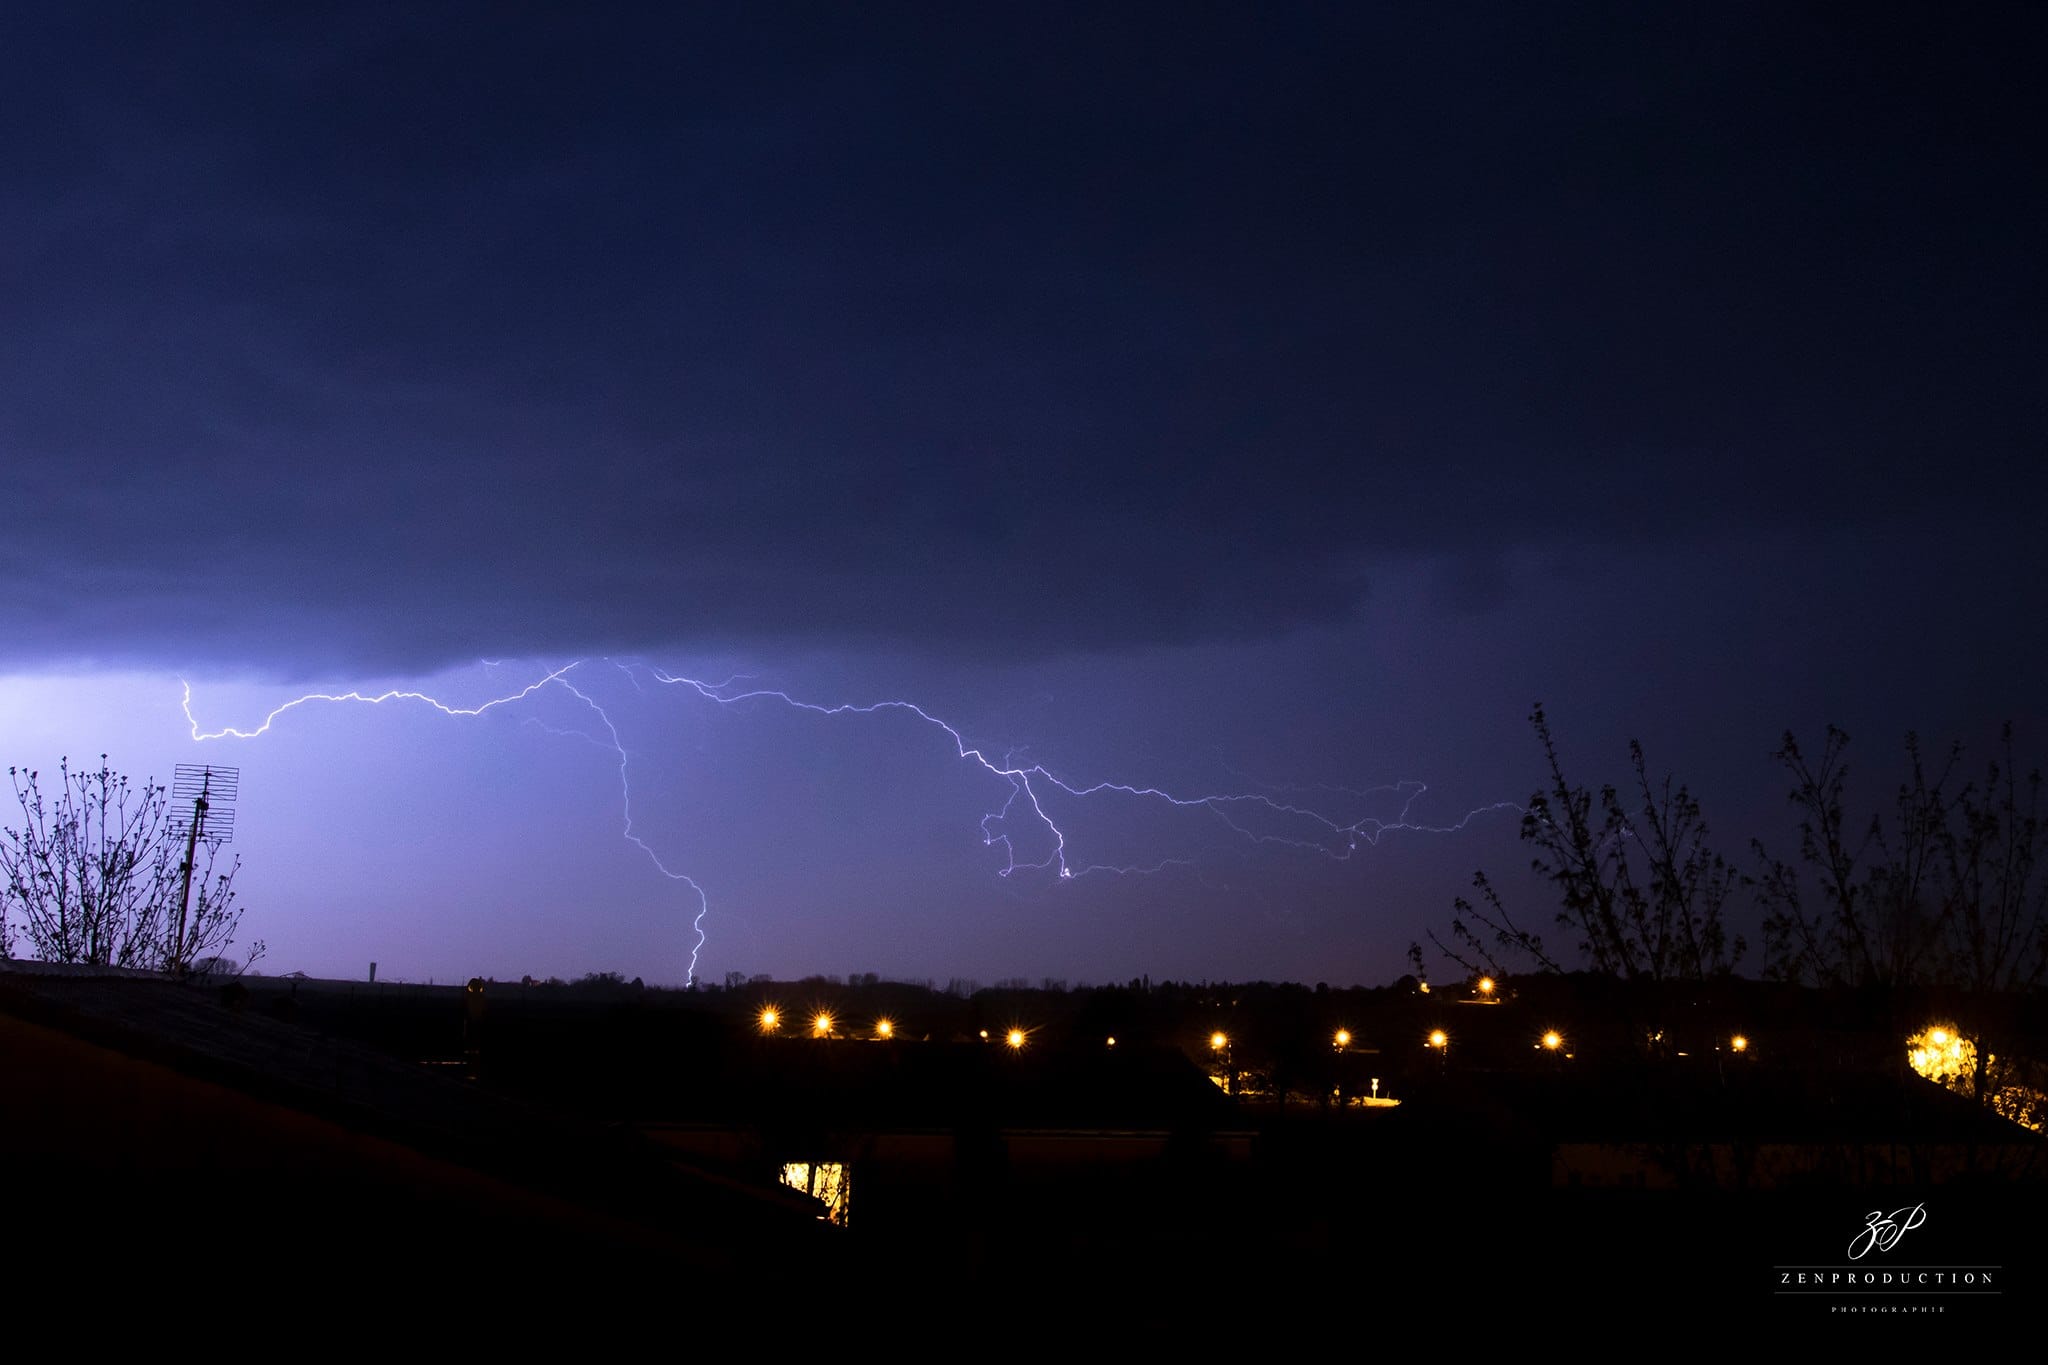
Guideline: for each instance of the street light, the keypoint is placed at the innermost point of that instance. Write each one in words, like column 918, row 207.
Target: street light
column 1553, row 1040
column 1486, row 986
column 821, row 1025
column 1226, row 1074
column 1015, row 1039
column 1739, row 1043
column 1343, row 1038
column 884, row 1029
column 771, row 1019
column 1439, row 1040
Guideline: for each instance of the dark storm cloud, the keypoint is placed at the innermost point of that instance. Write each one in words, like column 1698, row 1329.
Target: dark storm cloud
column 363, row 337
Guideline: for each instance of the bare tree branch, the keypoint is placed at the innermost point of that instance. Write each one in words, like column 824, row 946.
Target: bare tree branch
column 94, row 873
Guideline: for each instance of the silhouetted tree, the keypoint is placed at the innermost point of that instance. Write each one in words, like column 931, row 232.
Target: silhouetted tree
column 95, row 873
column 1637, row 884
column 1940, row 906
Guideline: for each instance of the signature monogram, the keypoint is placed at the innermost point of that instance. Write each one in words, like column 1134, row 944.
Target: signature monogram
column 1883, row 1230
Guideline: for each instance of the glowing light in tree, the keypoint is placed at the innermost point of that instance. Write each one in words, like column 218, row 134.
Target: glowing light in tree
column 1941, row 1056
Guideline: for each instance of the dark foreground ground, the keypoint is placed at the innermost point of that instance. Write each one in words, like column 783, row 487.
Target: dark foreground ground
column 188, row 1162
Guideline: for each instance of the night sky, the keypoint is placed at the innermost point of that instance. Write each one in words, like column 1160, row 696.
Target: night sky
column 1240, row 400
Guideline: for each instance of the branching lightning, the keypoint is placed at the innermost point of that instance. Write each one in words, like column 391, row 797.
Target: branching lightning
column 1030, row 785
column 626, row 806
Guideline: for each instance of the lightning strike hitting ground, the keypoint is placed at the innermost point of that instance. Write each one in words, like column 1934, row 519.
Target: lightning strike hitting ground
column 1029, row 783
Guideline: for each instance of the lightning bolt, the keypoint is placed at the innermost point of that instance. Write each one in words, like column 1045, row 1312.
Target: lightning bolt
column 1024, row 780
column 626, row 800
column 229, row 732
column 1030, row 785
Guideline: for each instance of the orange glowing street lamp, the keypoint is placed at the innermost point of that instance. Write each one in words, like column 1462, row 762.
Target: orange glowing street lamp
column 1552, row 1041
column 1343, row 1039
column 1739, row 1043
column 1226, row 1069
column 821, row 1025
column 1439, row 1040
column 1014, row 1040
column 884, row 1029
column 1486, row 986
column 771, row 1019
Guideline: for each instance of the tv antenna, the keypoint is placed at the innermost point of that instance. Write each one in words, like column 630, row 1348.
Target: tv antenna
column 212, row 792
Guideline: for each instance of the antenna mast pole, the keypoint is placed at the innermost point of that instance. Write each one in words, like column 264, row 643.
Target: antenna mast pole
column 196, row 782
